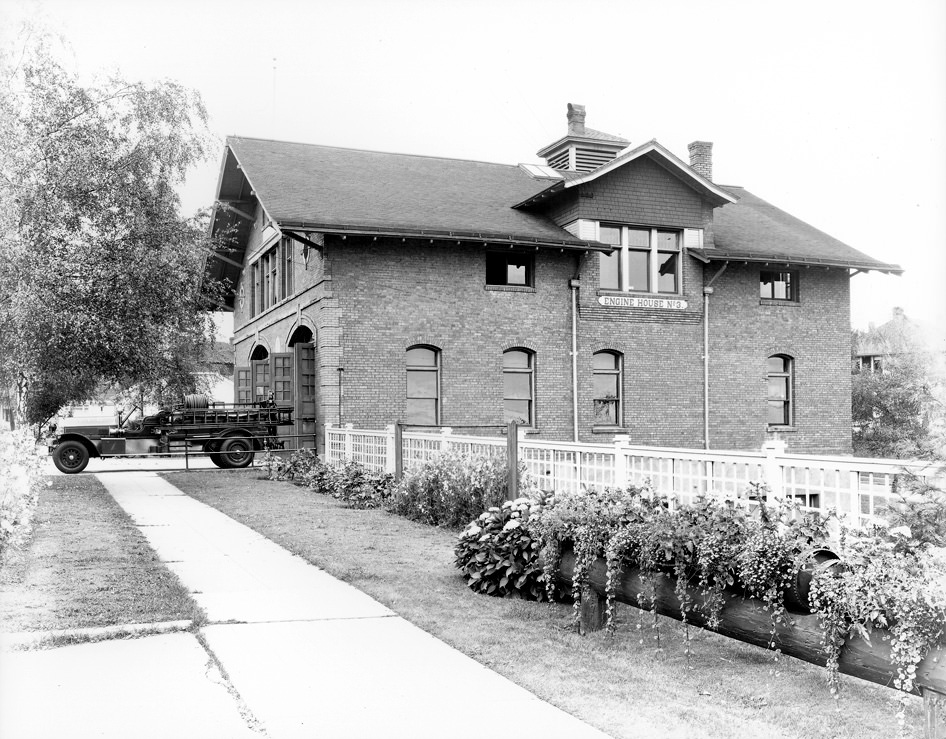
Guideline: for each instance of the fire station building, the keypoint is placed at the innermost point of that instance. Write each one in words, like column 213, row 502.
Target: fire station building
column 613, row 289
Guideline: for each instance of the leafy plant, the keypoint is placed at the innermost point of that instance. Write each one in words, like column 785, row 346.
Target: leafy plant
column 452, row 489
column 497, row 554
column 20, row 475
column 353, row 483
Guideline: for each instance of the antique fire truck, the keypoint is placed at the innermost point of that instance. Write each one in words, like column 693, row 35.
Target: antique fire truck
column 230, row 434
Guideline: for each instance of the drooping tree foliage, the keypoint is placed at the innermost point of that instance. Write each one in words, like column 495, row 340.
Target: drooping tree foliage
column 898, row 409
column 101, row 279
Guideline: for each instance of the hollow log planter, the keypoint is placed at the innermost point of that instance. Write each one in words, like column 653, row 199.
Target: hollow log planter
column 747, row 620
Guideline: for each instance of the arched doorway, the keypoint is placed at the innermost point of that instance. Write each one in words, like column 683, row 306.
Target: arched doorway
column 304, row 396
column 262, row 374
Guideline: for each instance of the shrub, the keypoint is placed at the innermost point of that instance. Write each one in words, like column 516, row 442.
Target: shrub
column 452, row 489
column 352, row 483
column 497, row 554
column 20, row 475
column 355, row 484
column 292, row 468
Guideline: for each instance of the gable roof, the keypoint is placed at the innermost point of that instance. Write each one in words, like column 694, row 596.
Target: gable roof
column 657, row 152
column 754, row 230
column 327, row 188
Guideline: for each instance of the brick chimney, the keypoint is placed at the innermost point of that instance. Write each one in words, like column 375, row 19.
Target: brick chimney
column 701, row 158
column 576, row 120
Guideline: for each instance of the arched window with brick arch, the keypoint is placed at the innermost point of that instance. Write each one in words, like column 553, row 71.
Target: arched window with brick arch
column 607, row 382
column 519, row 386
column 422, row 406
column 780, row 378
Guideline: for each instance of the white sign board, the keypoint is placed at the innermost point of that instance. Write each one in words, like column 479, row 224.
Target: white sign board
column 621, row 301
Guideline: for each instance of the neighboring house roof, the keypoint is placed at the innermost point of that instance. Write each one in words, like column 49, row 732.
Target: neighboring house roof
column 754, row 230
column 328, row 188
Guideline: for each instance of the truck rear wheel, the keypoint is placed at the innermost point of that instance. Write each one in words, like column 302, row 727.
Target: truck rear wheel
column 236, row 452
column 212, row 450
column 70, row 457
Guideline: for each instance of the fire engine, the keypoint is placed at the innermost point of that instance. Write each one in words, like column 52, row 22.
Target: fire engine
column 229, row 433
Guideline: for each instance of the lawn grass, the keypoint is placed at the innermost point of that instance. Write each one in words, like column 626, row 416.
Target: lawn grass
column 86, row 565
column 626, row 688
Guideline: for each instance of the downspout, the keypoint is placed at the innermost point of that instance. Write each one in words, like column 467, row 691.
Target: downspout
column 573, row 284
column 707, row 291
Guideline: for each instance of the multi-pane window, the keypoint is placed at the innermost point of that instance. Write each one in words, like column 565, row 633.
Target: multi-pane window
column 285, row 256
column 776, row 285
column 272, row 277
column 779, row 377
column 282, row 378
column 423, row 386
column 648, row 259
column 606, row 385
column 519, row 387
column 244, row 385
column 870, row 363
column 262, row 385
column 509, row 268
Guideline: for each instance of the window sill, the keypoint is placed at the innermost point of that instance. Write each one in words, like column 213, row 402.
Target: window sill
column 774, row 301
column 637, row 294
column 510, row 288
column 782, row 429
column 608, row 430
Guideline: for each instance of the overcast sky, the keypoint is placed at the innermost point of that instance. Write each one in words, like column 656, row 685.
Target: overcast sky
column 833, row 110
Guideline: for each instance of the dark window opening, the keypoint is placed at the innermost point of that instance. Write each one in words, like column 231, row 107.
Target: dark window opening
column 778, row 285
column 509, row 268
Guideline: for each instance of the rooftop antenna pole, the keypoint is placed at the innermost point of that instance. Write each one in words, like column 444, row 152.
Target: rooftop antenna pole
column 273, row 109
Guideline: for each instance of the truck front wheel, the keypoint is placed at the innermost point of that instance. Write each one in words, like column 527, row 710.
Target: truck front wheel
column 236, row 452
column 70, row 457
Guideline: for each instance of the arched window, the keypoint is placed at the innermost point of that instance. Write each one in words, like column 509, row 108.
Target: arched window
column 262, row 382
column 302, row 335
column 423, row 386
column 519, row 386
column 780, row 370
column 606, row 386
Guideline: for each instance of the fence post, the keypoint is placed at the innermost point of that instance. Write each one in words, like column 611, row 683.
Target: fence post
column 390, row 456
column 773, row 449
column 621, row 442
column 349, row 427
column 329, row 454
column 512, row 459
column 445, row 432
column 398, row 450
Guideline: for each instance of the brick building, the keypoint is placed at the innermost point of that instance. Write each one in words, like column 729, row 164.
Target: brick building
column 613, row 289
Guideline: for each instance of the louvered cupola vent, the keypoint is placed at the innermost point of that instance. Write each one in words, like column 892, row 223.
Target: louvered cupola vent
column 582, row 149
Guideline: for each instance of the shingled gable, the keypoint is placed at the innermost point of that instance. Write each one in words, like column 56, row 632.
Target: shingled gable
column 655, row 151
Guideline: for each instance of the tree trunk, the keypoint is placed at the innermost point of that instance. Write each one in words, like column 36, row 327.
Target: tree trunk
column 746, row 619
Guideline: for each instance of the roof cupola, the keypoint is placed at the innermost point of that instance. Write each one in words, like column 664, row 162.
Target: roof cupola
column 582, row 149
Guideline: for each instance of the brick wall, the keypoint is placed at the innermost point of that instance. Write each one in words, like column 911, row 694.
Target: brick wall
column 815, row 332
column 396, row 294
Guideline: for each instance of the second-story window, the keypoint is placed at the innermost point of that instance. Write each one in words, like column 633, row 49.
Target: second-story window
column 648, row 259
column 775, row 285
column 272, row 277
column 509, row 268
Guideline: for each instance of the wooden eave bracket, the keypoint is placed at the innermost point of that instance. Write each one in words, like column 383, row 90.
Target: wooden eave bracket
column 318, row 244
column 236, row 211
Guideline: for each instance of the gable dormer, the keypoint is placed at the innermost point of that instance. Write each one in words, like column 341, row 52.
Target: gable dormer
column 582, row 149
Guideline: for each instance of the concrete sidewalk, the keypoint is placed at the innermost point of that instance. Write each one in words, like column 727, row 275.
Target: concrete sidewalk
column 289, row 652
